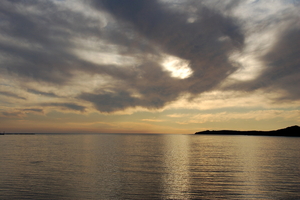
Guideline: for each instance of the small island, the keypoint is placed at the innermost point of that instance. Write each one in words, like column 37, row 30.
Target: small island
column 292, row 131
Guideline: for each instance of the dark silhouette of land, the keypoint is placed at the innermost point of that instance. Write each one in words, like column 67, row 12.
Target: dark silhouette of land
column 17, row 133
column 292, row 131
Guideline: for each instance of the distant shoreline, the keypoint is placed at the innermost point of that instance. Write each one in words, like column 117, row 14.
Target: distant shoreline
column 293, row 131
column 17, row 133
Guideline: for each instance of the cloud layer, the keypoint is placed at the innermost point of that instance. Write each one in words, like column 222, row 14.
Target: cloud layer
column 205, row 43
column 109, row 55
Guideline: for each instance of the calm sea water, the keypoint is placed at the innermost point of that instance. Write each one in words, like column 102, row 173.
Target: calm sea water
column 149, row 167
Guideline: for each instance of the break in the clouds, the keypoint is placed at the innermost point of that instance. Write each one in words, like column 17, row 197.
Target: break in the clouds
column 116, row 55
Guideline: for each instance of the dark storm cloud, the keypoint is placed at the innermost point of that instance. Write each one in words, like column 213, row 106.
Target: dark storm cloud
column 199, row 42
column 151, row 88
column 68, row 106
column 39, row 47
column 143, row 27
column 48, row 94
column 110, row 102
column 10, row 94
column 206, row 43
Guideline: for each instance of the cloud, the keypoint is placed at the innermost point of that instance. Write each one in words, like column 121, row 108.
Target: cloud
column 14, row 114
column 257, row 115
column 111, row 53
column 35, row 110
column 178, row 115
column 42, row 49
column 150, row 88
column 10, row 94
column 19, row 112
column 206, row 45
column 68, row 106
column 281, row 68
column 153, row 120
column 36, row 36
column 109, row 102
column 283, row 61
column 48, row 94
column 275, row 52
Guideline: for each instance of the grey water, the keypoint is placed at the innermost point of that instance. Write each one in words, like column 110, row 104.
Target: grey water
column 136, row 166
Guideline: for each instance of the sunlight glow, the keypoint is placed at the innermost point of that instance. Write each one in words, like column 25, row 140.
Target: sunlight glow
column 178, row 67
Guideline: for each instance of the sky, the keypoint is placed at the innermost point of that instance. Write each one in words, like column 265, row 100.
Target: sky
column 149, row 66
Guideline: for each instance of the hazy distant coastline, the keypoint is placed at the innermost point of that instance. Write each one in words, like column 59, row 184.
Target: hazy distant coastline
column 17, row 133
column 292, row 131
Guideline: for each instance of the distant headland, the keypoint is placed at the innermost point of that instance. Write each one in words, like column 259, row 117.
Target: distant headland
column 292, row 131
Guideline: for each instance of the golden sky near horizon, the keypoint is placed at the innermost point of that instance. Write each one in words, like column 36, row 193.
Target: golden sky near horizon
column 139, row 66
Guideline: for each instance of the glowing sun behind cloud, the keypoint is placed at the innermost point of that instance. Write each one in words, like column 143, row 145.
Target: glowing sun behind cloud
column 178, row 67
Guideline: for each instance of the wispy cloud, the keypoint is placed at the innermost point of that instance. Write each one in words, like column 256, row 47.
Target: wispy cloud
column 35, row 110
column 153, row 120
column 258, row 115
column 14, row 114
column 20, row 113
column 178, row 115
column 68, row 106
column 10, row 94
column 48, row 94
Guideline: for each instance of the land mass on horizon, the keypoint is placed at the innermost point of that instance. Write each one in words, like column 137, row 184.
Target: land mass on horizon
column 17, row 133
column 292, row 131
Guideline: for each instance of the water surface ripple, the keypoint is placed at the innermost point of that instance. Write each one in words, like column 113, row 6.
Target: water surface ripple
column 116, row 166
